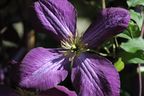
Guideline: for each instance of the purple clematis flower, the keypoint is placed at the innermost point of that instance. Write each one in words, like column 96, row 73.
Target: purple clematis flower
column 91, row 75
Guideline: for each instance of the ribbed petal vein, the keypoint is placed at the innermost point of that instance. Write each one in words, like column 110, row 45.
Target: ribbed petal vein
column 93, row 75
column 110, row 21
column 43, row 68
column 57, row 16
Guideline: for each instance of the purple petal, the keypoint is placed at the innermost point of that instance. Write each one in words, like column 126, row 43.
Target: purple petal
column 57, row 16
column 111, row 21
column 58, row 91
column 93, row 75
column 43, row 68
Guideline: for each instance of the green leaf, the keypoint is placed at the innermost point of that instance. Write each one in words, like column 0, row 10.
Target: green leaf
column 133, row 45
column 124, row 35
column 136, row 60
column 132, row 58
column 137, row 17
column 131, row 32
column 119, row 65
column 133, row 3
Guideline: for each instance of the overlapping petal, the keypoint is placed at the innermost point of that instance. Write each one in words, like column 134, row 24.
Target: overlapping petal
column 110, row 22
column 43, row 68
column 58, row 91
column 57, row 16
column 93, row 75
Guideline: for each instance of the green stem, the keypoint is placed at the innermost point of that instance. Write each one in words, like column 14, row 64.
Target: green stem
column 103, row 4
column 114, row 50
column 129, row 30
column 140, row 80
column 116, row 42
column 139, row 65
column 142, row 29
column 142, row 32
column 107, row 50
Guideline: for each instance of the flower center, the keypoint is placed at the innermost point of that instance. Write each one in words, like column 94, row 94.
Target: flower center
column 74, row 47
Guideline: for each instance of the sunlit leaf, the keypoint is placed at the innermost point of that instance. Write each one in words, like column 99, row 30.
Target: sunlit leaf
column 124, row 35
column 132, row 58
column 133, row 3
column 119, row 65
column 136, row 60
column 137, row 17
column 133, row 45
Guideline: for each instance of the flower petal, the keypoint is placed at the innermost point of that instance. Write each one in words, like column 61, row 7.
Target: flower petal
column 93, row 75
column 111, row 21
column 57, row 16
column 43, row 68
column 58, row 91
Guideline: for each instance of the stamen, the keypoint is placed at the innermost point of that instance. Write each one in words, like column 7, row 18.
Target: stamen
column 74, row 46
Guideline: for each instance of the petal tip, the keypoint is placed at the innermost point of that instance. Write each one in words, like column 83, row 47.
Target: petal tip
column 117, row 16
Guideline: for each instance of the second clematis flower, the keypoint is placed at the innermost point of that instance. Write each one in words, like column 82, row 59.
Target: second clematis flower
column 91, row 74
